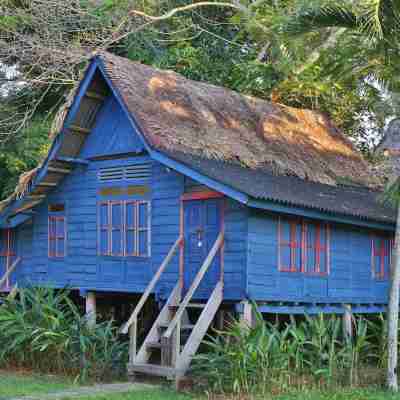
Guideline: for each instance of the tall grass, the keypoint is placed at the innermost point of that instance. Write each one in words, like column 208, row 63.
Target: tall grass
column 43, row 329
column 313, row 352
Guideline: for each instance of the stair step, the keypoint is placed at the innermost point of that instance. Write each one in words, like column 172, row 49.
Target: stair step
column 190, row 305
column 158, row 345
column 154, row 345
column 153, row 369
column 183, row 327
column 196, row 305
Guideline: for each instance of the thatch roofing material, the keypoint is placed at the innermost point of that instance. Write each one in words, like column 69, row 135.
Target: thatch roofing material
column 177, row 114
column 266, row 150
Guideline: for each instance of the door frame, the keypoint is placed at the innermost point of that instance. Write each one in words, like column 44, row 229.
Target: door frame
column 201, row 195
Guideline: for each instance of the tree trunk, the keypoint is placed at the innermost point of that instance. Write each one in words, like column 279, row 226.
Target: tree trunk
column 393, row 311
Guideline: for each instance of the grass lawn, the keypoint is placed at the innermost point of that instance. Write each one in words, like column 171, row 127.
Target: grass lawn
column 356, row 394
column 159, row 394
column 14, row 384
column 170, row 395
column 19, row 384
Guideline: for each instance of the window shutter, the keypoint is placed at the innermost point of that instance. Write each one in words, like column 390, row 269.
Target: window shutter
column 52, row 237
column 290, row 239
column 316, row 248
column 130, row 234
column 104, row 231
column 116, row 228
column 381, row 257
column 143, row 233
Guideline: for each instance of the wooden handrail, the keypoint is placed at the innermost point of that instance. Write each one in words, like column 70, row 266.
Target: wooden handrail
column 9, row 271
column 151, row 286
column 200, row 275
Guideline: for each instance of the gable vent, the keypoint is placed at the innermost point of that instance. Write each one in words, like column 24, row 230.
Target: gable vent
column 111, row 174
column 135, row 172
column 138, row 172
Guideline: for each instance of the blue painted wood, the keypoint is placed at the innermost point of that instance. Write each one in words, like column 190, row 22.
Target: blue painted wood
column 310, row 213
column 350, row 279
column 202, row 224
column 314, row 309
column 82, row 267
column 112, row 134
column 234, row 194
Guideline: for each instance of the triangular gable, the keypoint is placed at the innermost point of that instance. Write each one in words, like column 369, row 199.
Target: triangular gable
column 112, row 133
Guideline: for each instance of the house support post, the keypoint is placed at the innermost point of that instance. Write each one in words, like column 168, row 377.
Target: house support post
column 347, row 322
column 247, row 316
column 91, row 308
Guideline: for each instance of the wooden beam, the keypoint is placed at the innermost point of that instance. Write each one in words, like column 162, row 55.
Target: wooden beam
column 90, row 308
column 95, row 95
column 347, row 322
column 47, row 184
column 79, row 129
column 247, row 316
column 59, row 170
column 26, row 207
column 36, row 196
column 72, row 160
column 9, row 271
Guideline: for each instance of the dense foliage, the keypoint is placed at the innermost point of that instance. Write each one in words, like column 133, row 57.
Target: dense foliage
column 299, row 355
column 42, row 329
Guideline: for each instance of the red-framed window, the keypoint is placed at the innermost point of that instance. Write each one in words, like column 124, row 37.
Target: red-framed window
column 381, row 256
column 316, row 254
column 57, row 234
column 303, row 246
column 7, row 243
column 124, row 228
column 290, row 245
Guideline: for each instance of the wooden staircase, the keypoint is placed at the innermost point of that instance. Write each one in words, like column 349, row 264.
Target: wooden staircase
column 172, row 342
column 5, row 279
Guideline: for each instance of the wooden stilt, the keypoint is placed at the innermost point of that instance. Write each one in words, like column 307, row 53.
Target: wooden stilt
column 91, row 308
column 347, row 322
column 220, row 320
column 247, row 316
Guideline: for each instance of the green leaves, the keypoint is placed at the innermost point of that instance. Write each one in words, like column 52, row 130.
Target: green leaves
column 326, row 16
column 42, row 329
column 297, row 355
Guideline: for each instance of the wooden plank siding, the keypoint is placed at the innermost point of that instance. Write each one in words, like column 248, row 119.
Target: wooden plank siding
column 83, row 268
column 350, row 279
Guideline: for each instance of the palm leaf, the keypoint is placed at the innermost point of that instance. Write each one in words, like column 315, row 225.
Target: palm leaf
column 329, row 16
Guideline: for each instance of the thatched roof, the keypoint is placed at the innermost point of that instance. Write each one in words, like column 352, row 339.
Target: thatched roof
column 265, row 150
column 200, row 119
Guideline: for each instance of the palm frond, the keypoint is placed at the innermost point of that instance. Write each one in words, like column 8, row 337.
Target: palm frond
column 370, row 20
column 329, row 16
column 380, row 19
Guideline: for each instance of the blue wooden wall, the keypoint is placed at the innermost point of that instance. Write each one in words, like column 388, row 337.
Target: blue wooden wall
column 82, row 267
column 350, row 279
column 251, row 238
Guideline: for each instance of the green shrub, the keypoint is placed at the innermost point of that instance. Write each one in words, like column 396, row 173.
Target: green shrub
column 309, row 353
column 42, row 329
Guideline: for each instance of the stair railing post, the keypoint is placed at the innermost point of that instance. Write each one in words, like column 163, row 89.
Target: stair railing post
column 133, row 341
column 176, row 343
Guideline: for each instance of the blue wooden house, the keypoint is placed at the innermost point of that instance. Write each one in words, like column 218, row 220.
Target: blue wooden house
column 200, row 197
